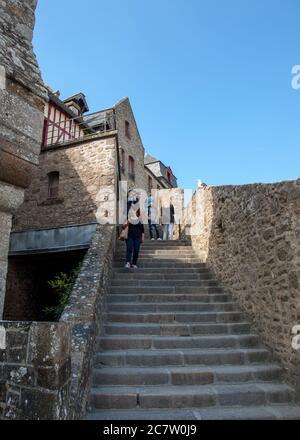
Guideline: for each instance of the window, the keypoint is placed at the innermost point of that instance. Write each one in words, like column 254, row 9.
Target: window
column 150, row 184
column 122, row 160
column 127, row 129
column 131, row 171
column 53, row 184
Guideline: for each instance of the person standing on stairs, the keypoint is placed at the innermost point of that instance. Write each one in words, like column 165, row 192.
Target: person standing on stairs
column 153, row 219
column 168, row 220
column 136, row 232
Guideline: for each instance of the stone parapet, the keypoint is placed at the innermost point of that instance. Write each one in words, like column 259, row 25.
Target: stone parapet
column 249, row 237
column 84, row 313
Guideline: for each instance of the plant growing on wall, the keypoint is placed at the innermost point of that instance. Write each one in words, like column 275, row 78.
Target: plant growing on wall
column 62, row 286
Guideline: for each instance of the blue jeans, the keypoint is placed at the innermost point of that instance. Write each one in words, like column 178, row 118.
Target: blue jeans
column 133, row 245
column 153, row 228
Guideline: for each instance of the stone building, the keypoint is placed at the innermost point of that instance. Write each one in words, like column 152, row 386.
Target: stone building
column 84, row 158
column 22, row 101
column 159, row 175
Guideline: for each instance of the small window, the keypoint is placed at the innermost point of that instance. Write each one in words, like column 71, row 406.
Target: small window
column 53, row 184
column 122, row 161
column 127, row 129
column 131, row 170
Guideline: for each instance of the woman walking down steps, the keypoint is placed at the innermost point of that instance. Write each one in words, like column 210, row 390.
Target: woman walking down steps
column 136, row 232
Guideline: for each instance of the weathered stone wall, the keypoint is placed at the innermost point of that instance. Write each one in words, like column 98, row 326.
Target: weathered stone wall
column 84, row 314
column 87, row 175
column 10, row 198
column 250, row 238
column 22, row 100
column 132, row 146
column 35, row 370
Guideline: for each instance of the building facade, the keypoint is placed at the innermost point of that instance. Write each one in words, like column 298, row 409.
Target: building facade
column 84, row 159
column 163, row 174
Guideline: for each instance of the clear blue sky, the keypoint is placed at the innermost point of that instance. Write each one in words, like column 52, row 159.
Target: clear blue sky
column 209, row 80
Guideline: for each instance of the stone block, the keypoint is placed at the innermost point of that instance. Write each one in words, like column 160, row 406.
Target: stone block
column 36, row 404
column 54, row 377
column 191, row 378
column 50, row 344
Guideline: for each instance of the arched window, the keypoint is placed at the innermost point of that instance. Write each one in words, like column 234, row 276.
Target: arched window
column 53, row 184
column 131, row 168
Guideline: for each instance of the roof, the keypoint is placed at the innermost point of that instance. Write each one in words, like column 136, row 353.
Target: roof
column 59, row 103
column 80, row 100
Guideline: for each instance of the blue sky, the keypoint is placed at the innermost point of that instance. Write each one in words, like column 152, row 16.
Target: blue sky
column 209, row 80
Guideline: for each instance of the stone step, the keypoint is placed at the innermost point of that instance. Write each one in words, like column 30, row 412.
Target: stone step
column 163, row 283
column 179, row 317
column 266, row 412
column 159, row 264
column 190, row 396
column 172, row 307
column 164, row 260
column 157, row 244
column 160, row 248
column 133, row 342
column 182, row 357
column 160, row 254
column 176, row 329
column 165, row 289
column 133, row 275
column 160, row 270
column 166, row 297
column 185, row 376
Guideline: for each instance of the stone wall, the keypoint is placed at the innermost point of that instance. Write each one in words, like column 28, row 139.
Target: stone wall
column 22, row 100
column 250, row 238
column 10, row 199
column 87, row 175
column 84, row 315
column 35, row 370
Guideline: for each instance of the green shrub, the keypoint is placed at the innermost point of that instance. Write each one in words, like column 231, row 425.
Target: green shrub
column 62, row 286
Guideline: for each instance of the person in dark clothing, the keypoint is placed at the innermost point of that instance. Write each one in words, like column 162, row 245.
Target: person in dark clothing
column 135, row 233
column 168, row 221
column 153, row 221
column 134, row 241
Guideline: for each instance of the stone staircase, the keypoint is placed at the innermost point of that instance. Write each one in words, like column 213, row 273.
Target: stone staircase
column 177, row 347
